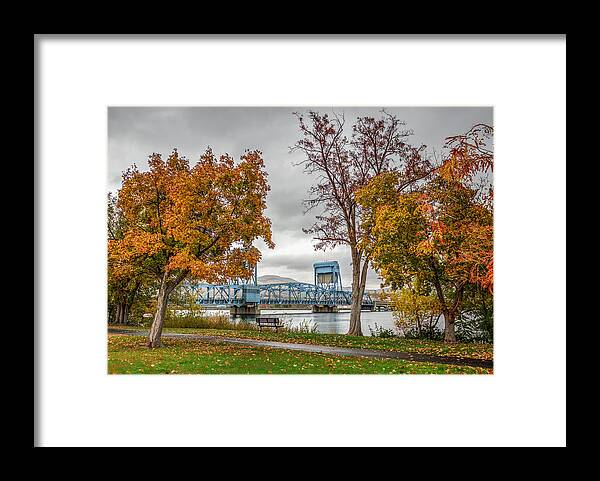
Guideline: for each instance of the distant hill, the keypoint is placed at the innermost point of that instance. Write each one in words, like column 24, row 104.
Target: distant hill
column 369, row 291
column 273, row 279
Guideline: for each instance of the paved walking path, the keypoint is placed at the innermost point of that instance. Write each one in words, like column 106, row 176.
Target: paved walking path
column 340, row 351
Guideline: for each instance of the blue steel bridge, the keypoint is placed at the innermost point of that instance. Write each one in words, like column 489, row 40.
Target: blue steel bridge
column 325, row 295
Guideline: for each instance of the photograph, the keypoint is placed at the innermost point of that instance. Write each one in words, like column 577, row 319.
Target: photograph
column 300, row 240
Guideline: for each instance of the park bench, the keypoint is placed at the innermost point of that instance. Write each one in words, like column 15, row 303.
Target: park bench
column 269, row 322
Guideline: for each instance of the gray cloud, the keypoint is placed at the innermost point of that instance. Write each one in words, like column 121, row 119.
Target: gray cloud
column 136, row 132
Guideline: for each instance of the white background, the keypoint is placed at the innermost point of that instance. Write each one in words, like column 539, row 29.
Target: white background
column 523, row 403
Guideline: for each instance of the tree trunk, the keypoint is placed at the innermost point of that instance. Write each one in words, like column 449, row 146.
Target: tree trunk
column 449, row 312
column 159, row 316
column 166, row 287
column 125, row 314
column 129, row 302
column 121, row 313
column 359, row 277
column 449, row 331
column 355, row 327
column 117, row 317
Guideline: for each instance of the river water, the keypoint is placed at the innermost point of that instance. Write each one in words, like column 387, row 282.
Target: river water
column 330, row 323
column 334, row 323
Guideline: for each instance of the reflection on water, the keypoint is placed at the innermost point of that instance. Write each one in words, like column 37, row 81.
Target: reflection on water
column 330, row 323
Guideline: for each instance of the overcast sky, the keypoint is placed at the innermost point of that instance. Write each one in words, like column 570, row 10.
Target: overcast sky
column 136, row 132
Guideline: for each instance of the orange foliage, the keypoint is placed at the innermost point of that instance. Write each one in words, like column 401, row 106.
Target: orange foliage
column 471, row 156
column 195, row 220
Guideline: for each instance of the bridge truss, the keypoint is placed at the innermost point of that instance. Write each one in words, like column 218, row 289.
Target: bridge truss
column 288, row 294
column 326, row 291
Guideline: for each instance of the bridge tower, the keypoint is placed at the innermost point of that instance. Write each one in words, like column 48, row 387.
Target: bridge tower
column 250, row 296
column 327, row 276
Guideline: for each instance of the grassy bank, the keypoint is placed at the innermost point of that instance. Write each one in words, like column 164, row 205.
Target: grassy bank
column 202, row 321
column 473, row 350
column 129, row 355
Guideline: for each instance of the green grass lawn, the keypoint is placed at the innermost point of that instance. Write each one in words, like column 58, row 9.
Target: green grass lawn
column 437, row 348
column 129, row 355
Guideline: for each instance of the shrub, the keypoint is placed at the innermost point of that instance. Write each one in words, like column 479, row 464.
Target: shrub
column 416, row 315
column 305, row 327
column 476, row 321
column 431, row 333
column 206, row 321
column 474, row 329
column 379, row 331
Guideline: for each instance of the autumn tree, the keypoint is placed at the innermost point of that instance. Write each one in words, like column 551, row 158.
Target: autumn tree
column 194, row 221
column 471, row 162
column 124, row 278
column 440, row 234
column 416, row 310
column 342, row 166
